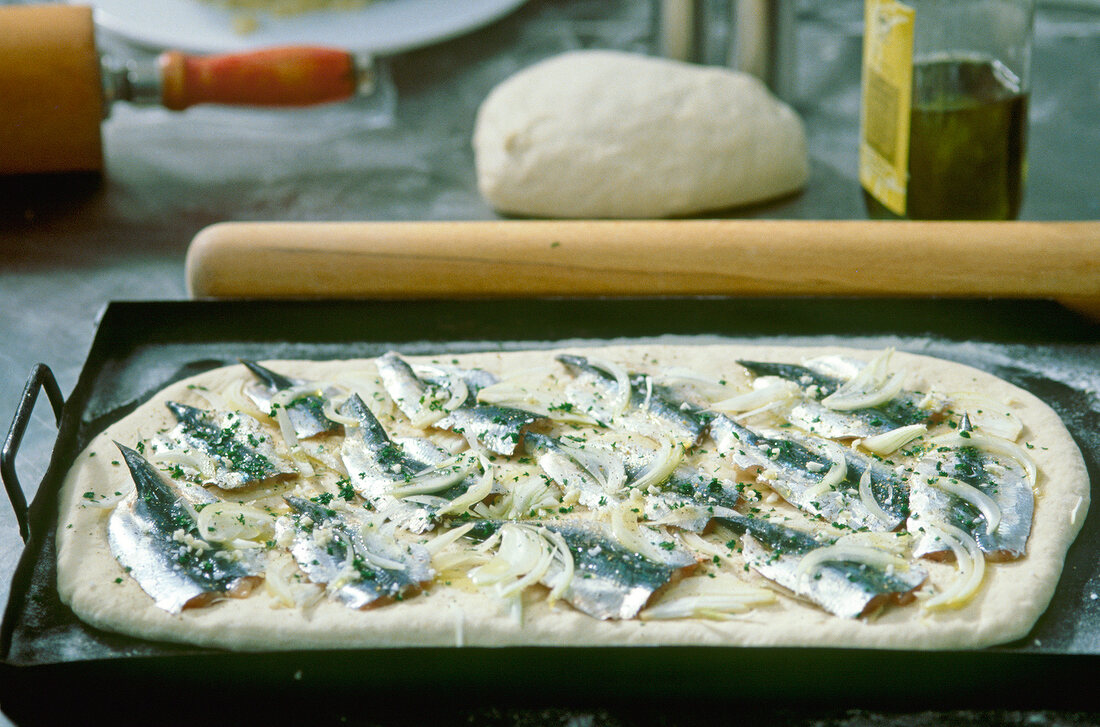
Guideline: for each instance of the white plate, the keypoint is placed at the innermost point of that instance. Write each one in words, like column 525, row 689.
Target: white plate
column 383, row 27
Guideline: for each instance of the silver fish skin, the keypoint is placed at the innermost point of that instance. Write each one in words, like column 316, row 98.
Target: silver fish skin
column 475, row 379
column 690, row 499
column 414, row 397
column 431, row 454
column 497, row 428
column 153, row 534
column 1000, row 478
column 819, row 378
column 685, row 420
column 786, row 466
column 358, row 568
column 416, row 393
column 609, row 582
column 422, row 450
column 241, row 452
column 306, row 413
column 376, row 465
column 889, row 489
column 560, row 466
column 844, row 588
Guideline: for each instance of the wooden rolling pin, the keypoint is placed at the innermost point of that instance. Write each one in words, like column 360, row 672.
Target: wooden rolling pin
column 681, row 257
column 55, row 89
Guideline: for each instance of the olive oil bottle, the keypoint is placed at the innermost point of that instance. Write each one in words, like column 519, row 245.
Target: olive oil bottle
column 944, row 126
column 967, row 144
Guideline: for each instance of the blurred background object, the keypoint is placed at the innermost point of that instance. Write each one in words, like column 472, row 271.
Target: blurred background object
column 57, row 88
column 755, row 36
column 943, row 123
column 378, row 27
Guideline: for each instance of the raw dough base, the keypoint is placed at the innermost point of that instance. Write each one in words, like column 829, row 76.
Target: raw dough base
column 1011, row 599
column 604, row 134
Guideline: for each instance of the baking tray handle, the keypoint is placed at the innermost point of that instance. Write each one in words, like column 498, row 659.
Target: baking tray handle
column 41, row 378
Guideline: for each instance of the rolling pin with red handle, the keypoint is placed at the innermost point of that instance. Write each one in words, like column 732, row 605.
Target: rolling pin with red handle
column 675, row 257
column 56, row 89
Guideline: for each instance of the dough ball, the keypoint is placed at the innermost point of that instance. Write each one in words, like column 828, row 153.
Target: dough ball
column 611, row 134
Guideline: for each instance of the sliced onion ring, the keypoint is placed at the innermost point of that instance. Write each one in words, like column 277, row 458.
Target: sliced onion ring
column 970, row 563
column 622, row 381
column 438, row 477
column 836, row 474
column 779, row 390
column 873, row 385
column 868, row 498
column 840, row 552
column 720, row 605
column 986, row 505
column 893, row 440
column 224, row 522
column 475, row 494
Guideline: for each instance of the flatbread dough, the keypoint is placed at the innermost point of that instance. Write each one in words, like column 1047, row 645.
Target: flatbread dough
column 1011, row 598
column 605, row 134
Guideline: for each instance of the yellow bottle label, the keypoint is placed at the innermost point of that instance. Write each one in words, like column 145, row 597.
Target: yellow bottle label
column 887, row 91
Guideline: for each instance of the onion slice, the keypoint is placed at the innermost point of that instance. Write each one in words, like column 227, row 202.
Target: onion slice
column 565, row 578
column 475, row 494
column 836, row 474
column 332, row 413
column 625, row 529
column 608, row 469
column 734, row 597
column 224, row 522
column 873, row 385
column 772, row 392
column 868, row 498
column 985, row 504
column 970, row 563
column 379, row 560
column 813, row 561
column 238, row 400
column 441, row 541
column 681, row 376
column 437, row 477
column 285, row 427
column 455, row 386
column 192, row 458
column 622, row 384
column 664, row 462
column 522, row 559
column 893, row 440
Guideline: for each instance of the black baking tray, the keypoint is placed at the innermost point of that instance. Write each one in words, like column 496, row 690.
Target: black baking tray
column 141, row 346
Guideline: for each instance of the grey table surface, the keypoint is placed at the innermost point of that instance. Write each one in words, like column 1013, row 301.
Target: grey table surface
column 70, row 244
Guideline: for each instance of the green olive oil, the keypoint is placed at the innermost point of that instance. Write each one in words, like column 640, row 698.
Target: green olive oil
column 967, row 144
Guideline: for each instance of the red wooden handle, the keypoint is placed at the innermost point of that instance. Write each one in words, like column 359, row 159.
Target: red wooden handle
column 290, row 76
